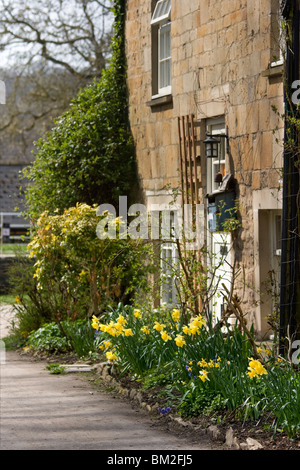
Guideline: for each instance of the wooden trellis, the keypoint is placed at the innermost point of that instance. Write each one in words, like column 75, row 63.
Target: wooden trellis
column 189, row 152
column 190, row 171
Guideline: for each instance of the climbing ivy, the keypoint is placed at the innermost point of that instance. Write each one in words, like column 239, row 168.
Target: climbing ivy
column 88, row 156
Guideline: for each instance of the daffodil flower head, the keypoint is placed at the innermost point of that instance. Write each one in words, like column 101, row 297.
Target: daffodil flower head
column 128, row 332
column 145, row 330
column 203, row 375
column 165, row 336
column 256, row 368
column 158, row 326
column 180, row 341
column 186, row 330
column 176, row 315
column 121, row 320
column 202, row 363
column 95, row 322
column 111, row 356
column 137, row 313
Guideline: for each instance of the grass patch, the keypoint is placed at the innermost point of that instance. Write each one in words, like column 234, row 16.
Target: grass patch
column 7, row 299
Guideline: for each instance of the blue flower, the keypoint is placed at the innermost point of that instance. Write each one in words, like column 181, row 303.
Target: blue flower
column 164, row 410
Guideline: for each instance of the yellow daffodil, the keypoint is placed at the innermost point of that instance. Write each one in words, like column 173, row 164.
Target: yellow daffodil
column 95, row 322
column 137, row 313
column 180, row 341
column 252, row 373
column 186, row 330
column 105, row 345
column 110, row 329
column 145, row 330
column 203, row 375
column 128, row 332
column 194, row 326
column 256, row 369
column 158, row 326
column 176, row 314
column 121, row 320
column 198, row 321
column 202, row 363
column 194, row 329
column 119, row 327
column 111, row 356
column 165, row 336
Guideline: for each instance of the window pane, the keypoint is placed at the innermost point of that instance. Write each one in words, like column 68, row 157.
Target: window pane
column 162, row 11
column 162, row 75
column 164, row 56
column 162, row 45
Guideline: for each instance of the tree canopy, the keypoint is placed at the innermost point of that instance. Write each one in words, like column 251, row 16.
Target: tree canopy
column 48, row 51
column 88, row 156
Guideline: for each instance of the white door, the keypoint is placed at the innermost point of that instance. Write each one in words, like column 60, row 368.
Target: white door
column 221, row 271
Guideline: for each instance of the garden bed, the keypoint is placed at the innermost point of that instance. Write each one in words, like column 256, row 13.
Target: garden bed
column 193, row 427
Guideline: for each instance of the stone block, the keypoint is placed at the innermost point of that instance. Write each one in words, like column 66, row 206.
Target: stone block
column 256, row 180
column 172, row 161
column 252, row 122
column 264, row 115
column 266, row 150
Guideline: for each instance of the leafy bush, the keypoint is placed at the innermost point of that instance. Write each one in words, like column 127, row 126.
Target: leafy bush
column 77, row 269
column 49, row 338
column 77, row 336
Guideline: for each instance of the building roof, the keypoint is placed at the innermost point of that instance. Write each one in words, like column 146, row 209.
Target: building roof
column 11, row 193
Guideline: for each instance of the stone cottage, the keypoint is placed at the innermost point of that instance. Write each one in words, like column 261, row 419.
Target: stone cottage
column 205, row 85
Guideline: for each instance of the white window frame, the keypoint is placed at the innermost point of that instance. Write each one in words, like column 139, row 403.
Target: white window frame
column 169, row 264
column 216, row 127
column 168, row 281
column 278, row 36
column 161, row 12
column 161, row 26
column 164, row 59
column 219, row 243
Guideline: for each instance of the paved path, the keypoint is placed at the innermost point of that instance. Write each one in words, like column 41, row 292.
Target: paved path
column 40, row 411
column 6, row 317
